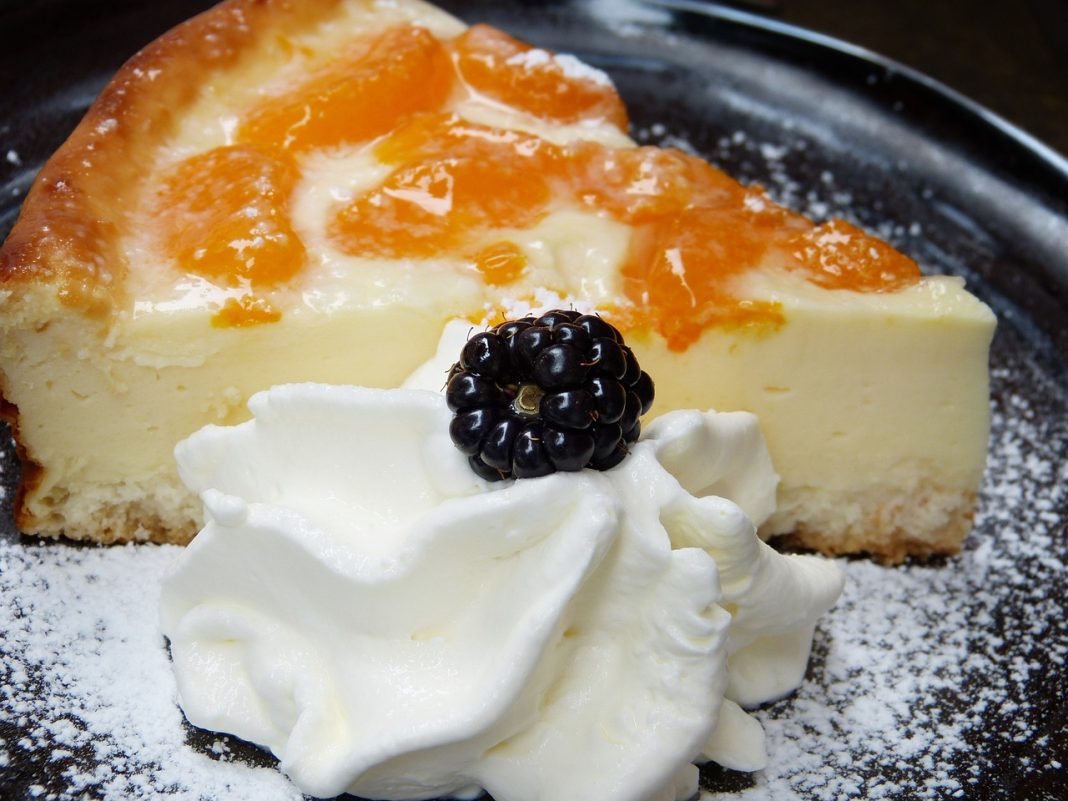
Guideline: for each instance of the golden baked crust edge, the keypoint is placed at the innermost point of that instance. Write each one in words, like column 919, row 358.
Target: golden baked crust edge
column 68, row 231
column 67, row 236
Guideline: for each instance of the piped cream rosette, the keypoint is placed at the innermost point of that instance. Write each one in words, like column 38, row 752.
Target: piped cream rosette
column 390, row 625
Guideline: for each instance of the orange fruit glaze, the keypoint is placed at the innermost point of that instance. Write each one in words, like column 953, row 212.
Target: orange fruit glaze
column 214, row 205
column 695, row 230
column 494, row 64
column 837, row 255
column 455, row 185
column 361, row 95
column 500, row 262
column 455, row 182
column 224, row 216
column 244, row 311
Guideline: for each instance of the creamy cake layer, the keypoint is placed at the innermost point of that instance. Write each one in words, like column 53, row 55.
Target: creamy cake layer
column 127, row 323
column 874, row 406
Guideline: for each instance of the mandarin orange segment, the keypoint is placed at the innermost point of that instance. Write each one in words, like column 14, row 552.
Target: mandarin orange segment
column 500, row 263
column 644, row 184
column 438, row 136
column 409, row 215
column 838, row 255
column 433, row 204
column 420, row 135
column 357, row 97
column 224, row 215
column 494, row 64
column 431, row 208
column 680, row 269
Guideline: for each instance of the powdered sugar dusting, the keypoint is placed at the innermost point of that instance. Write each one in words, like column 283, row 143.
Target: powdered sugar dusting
column 920, row 675
column 923, row 673
column 571, row 67
column 578, row 70
column 530, row 59
column 87, row 695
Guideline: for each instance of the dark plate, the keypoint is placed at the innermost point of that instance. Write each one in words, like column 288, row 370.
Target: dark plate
column 929, row 681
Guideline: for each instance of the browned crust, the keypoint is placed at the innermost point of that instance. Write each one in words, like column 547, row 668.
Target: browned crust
column 67, row 233
column 122, row 524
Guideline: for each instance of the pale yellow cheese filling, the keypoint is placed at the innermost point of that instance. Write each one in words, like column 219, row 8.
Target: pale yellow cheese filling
column 874, row 404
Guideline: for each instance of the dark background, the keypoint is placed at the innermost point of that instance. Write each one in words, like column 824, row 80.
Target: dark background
column 1011, row 57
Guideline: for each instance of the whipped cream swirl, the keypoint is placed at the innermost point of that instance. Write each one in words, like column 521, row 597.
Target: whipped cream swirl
column 390, row 625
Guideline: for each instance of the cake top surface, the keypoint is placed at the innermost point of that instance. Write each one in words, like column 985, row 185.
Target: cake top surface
column 264, row 158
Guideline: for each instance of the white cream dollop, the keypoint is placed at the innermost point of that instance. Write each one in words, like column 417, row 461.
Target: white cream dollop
column 390, row 625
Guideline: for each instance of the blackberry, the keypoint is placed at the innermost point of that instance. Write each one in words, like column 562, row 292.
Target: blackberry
column 558, row 392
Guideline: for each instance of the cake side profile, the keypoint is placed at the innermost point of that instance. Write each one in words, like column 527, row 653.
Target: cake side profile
column 80, row 377
column 222, row 222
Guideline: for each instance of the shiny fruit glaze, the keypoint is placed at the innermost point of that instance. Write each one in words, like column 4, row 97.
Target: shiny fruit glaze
column 646, row 184
column 244, row 311
column 456, row 185
column 224, row 216
column 500, row 263
column 215, row 206
column 837, row 255
column 694, row 229
column 494, row 64
column 363, row 94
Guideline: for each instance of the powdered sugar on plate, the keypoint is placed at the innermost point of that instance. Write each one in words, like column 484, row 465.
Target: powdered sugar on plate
column 920, row 677
column 922, row 674
column 87, row 702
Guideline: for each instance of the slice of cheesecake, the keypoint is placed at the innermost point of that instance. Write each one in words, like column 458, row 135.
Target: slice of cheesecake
column 287, row 192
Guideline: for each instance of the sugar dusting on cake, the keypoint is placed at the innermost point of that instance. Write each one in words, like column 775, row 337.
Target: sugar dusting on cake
column 568, row 65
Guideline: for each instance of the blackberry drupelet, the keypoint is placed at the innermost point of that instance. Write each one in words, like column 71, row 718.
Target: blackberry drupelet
column 537, row 395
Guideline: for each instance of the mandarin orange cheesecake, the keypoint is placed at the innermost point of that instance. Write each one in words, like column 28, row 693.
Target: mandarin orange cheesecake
column 277, row 192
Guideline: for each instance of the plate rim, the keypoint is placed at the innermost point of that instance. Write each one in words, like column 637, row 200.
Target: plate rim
column 827, row 42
